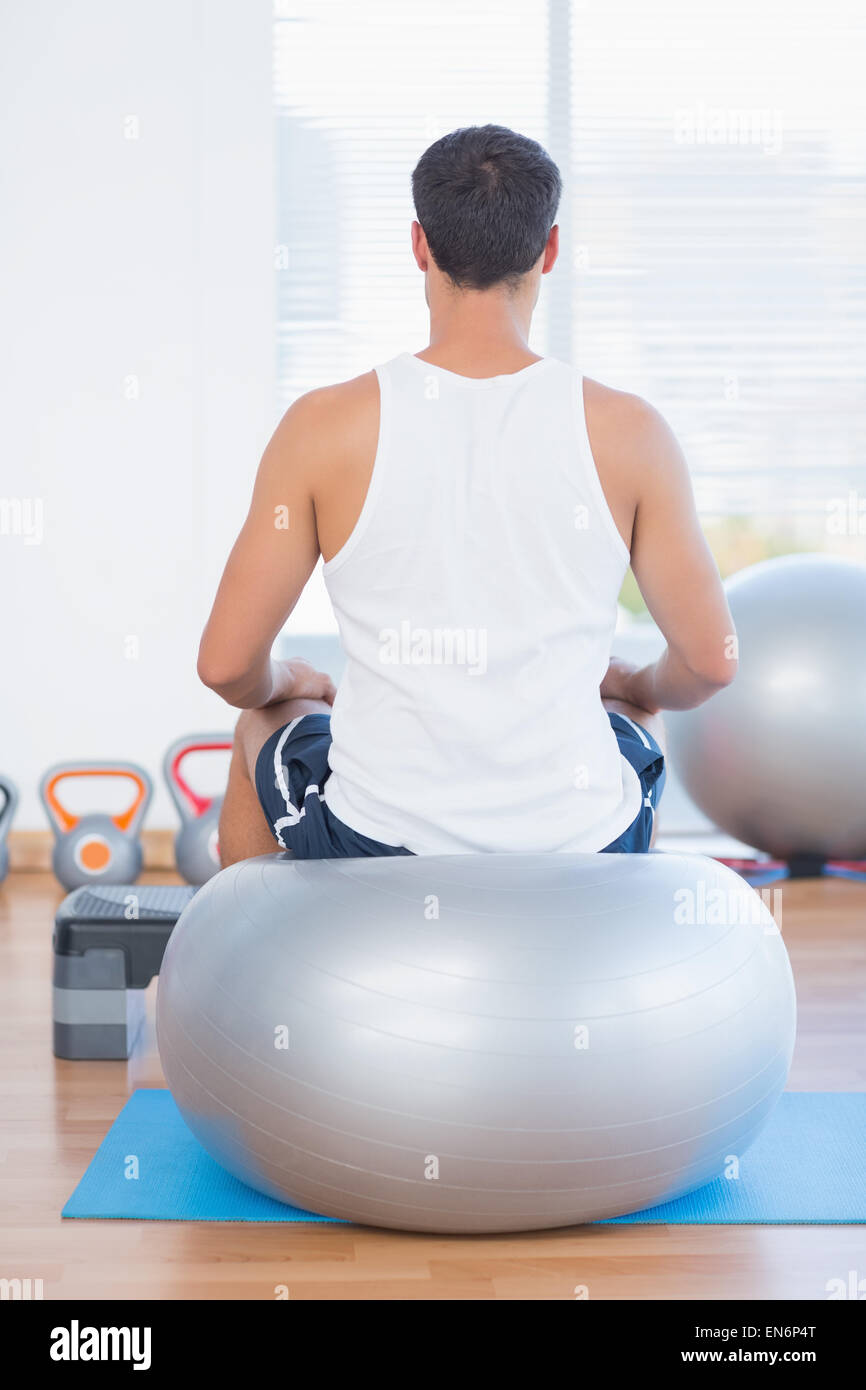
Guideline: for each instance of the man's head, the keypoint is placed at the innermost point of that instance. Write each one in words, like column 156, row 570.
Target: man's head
column 486, row 200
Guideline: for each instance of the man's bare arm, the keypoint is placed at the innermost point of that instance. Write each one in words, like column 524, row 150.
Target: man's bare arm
column 271, row 561
column 676, row 574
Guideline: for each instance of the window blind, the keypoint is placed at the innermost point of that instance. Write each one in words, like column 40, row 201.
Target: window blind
column 714, row 219
column 361, row 90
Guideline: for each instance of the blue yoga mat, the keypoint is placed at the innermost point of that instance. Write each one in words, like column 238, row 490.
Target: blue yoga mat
column 808, row 1166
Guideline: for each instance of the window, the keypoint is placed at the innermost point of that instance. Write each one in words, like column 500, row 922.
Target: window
column 714, row 221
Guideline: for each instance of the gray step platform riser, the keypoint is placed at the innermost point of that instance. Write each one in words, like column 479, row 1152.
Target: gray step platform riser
column 99, row 1008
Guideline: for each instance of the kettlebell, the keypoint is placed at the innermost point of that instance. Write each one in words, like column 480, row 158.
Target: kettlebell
column 196, row 846
column 95, row 847
column 10, row 801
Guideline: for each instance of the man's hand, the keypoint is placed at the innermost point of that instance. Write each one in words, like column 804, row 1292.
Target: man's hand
column 632, row 684
column 615, row 684
column 297, row 679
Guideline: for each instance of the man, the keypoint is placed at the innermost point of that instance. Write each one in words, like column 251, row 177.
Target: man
column 476, row 507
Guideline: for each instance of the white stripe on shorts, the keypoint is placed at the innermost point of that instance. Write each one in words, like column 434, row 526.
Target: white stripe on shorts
column 279, row 771
column 637, row 728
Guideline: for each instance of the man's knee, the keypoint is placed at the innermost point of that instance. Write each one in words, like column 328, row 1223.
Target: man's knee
column 251, row 733
column 255, row 726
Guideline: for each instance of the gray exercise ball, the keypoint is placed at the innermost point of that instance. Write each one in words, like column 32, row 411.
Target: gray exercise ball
column 778, row 758
column 469, row 1043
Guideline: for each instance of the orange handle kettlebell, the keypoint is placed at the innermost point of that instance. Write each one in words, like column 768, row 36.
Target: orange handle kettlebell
column 96, row 846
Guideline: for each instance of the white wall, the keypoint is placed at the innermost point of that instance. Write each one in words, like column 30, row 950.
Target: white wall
column 136, row 361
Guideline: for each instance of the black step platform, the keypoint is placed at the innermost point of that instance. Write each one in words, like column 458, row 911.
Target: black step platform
column 108, row 945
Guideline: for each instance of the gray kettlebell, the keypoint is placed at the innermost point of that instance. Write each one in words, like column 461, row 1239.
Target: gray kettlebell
column 95, row 847
column 10, row 801
column 196, row 845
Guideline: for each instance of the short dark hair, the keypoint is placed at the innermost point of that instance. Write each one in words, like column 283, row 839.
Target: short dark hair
column 486, row 198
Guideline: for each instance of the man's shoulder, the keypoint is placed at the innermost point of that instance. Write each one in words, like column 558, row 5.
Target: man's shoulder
column 322, row 422
column 328, row 402
column 622, row 409
column 624, row 426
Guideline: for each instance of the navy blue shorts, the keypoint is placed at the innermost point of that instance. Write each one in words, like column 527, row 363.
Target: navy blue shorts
column 292, row 769
column 648, row 761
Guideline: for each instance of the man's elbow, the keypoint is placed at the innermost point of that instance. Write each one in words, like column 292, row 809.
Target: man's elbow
column 245, row 684
column 715, row 672
column 216, row 673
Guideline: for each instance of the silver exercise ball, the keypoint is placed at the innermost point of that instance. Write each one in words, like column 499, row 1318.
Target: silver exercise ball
column 468, row 1043
column 778, row 758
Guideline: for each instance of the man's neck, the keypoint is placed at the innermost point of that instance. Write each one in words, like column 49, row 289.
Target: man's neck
column 479, row 333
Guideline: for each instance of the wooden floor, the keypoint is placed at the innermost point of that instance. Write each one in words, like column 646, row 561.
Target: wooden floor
column 53, row 1115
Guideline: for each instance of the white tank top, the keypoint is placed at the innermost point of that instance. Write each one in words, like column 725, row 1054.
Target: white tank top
column 476, row 601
